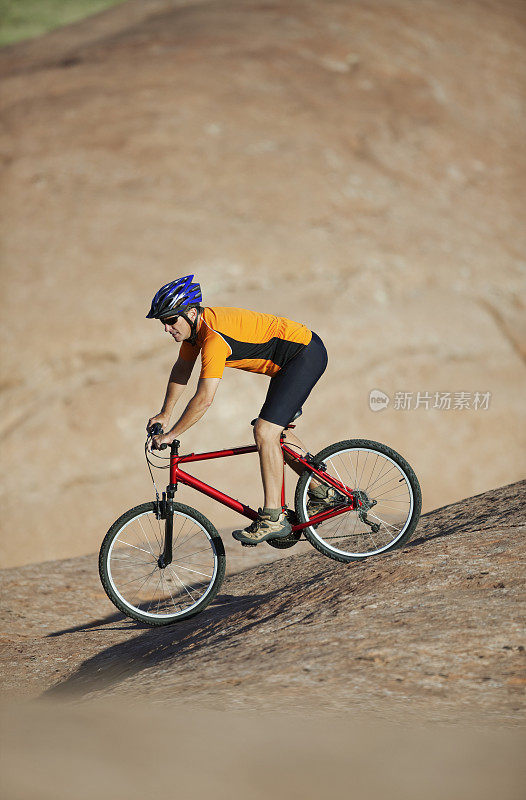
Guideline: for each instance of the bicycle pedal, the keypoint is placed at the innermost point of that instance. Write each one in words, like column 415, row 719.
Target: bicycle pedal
column 246, row 544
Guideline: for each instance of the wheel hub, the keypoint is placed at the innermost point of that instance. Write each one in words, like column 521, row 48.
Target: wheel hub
column 363, row 503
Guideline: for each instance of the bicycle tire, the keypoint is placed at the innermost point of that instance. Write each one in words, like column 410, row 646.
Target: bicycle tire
column 375, row 447
column 112, row 589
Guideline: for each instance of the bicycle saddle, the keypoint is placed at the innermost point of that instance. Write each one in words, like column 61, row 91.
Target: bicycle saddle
column 296, row 415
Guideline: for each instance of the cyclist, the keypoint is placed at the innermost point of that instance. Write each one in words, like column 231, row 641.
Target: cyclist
column 293, row 356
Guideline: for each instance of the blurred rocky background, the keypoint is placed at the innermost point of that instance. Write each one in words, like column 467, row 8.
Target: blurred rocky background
column 357, row 166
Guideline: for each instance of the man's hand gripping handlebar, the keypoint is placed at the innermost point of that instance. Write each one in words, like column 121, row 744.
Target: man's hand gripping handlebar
column 154, row 439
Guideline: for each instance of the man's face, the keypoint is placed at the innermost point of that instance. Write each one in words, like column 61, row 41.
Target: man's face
column 177, row 327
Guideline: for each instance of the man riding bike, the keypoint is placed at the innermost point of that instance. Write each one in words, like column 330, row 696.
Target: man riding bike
column 293, row 356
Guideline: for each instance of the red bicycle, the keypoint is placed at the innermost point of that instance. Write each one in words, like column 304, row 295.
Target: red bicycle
column 163, row 561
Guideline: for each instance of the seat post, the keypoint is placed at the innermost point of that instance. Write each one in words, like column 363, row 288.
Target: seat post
column 282, row 439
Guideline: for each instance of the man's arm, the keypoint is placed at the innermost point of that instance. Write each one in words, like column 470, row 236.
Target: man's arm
column 179, row 377
column 198, row 405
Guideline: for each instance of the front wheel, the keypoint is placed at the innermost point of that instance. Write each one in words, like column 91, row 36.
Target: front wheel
column 390, row 498
column 135, row 583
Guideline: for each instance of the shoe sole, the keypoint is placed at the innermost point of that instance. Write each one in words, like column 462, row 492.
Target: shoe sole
column 265, row 538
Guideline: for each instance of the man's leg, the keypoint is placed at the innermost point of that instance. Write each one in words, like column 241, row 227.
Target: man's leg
column 298, row 447
column 321, row 498
column 287, row 392
column 272, row 522
column 267, row 436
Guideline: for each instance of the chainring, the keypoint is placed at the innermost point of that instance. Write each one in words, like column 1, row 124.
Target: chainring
column 290, row 540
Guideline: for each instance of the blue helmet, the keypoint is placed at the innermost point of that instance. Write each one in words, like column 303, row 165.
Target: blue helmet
column 175, row 297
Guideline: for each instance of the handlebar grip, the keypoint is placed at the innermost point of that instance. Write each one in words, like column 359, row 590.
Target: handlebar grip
column 155, row 429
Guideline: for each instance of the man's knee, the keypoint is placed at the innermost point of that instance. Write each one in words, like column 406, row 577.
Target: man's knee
column 266, row 432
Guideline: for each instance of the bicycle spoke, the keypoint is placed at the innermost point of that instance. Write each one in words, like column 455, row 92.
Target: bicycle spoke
column 193, row 570
column 205, row 550
column 384, row 522
column 385, row 508
column 339, row 523
column 137, row 548
column 171, row 595
column 182, row 584
column 138, row 578
column 140, row 588
column 354, row 480
column 394, row 488
column 363, row 469
column 132, row 580
column 146, row 537
column 188, row 538
column 372, row 473
column 126, row 560
column 153, row 600
column 378, row 478
column 394, row 500
column 180, row 532
column 158, row 540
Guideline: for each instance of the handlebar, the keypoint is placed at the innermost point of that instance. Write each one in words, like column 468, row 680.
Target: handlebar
column 156, row 430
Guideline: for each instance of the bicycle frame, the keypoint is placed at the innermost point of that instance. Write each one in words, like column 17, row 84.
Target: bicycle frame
column 177, row 475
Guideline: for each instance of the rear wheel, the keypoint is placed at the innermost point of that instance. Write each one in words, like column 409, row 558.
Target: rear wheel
column 130, row 572
column 387, row 488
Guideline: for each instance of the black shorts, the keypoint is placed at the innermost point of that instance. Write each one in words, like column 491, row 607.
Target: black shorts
column 294, row 382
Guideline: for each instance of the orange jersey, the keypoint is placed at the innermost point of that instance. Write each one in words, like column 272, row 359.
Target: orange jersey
column 236, row 337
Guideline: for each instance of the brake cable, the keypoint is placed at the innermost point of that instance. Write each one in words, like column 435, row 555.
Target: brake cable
column 153, row 464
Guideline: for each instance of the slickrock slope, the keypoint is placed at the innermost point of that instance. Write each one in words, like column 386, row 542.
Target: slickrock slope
column 358, row 166
column 435, row 629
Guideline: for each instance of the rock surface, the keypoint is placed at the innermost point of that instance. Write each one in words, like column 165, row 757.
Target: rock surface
column 434, row 631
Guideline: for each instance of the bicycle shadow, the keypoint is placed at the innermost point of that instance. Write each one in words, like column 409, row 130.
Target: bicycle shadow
column 125, row 659
column 101, row 623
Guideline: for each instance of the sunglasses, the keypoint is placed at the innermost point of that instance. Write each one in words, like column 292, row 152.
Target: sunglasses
column 169, row 320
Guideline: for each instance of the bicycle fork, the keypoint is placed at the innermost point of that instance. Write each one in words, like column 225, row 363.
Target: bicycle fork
column 166, row 511
column 167, row 514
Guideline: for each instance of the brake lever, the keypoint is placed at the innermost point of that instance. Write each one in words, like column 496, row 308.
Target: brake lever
column 155, row 430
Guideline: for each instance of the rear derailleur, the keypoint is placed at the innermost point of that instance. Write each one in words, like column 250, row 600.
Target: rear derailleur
column 363, row 505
